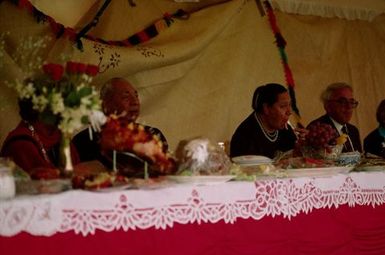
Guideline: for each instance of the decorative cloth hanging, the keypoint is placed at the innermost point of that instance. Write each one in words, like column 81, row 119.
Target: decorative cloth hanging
column 281, row 44
column 59, row 29
column 92, row 24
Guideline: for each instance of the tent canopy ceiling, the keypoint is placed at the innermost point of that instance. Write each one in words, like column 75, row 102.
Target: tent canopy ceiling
column 83, row 11
column 347, row 9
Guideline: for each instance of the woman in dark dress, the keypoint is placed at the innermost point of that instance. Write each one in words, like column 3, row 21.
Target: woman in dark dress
column 374, row 143
column 34, row 145
column 265, row 131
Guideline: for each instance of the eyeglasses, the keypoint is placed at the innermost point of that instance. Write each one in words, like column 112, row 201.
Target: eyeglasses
column 346, row 102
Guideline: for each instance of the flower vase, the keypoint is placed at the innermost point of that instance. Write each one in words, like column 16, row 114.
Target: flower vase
column 66, row 166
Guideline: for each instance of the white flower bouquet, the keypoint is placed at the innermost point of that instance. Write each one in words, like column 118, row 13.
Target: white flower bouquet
column 61, row 94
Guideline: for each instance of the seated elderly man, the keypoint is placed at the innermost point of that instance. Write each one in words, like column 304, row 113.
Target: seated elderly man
column 339, row 104
column 118, row 97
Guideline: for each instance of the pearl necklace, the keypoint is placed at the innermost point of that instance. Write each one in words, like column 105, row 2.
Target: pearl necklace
column 271, row 136
column 37, row 139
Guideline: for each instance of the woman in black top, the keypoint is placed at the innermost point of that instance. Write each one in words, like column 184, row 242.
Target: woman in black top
column 265, row 130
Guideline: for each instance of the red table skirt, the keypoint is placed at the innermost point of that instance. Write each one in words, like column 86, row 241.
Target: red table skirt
column 346, row 230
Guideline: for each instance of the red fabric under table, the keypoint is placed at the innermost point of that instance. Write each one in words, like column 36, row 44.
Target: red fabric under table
column 346, row 230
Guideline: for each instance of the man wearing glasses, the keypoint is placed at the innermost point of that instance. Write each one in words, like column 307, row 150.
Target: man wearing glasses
column 339, row 104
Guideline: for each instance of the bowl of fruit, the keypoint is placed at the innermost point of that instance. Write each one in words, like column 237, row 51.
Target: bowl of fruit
column 322, row 141
column 349, row 158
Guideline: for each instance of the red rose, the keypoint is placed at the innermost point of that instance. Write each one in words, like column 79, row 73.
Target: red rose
column 81, row 68
column 92, row 70
column 55, row 71
column 71, row 67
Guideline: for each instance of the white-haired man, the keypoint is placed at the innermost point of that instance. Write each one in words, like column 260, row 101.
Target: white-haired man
column 339, row 105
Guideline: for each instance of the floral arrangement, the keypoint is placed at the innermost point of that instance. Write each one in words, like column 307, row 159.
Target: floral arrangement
column 62, row 94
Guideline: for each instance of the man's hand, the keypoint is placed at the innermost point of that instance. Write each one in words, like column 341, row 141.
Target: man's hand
column 97, row 120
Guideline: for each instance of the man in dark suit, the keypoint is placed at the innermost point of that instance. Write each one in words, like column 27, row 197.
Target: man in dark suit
column 118, row 97
column 339, row 104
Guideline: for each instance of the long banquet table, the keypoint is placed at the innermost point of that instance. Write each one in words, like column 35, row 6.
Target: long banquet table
column 340, row 214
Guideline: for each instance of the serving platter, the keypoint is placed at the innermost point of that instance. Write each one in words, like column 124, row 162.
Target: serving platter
column 252, row 160
column 119, row 187
column 369, row 168
column 200, row 179
column 32, row 187
column 322, row 171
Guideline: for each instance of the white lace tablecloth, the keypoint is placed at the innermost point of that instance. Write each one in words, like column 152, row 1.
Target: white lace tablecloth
column 84, row 212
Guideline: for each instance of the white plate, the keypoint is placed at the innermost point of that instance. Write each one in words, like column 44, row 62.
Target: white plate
column 252, row 160
column 323, row 171
column 200, row 179
column 370, row 168
column 114, row 188
column 42, row 186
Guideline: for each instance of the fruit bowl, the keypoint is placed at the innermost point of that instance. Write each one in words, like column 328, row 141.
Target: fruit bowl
column 322, row 142
column 331, row 152
column 349, row 158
